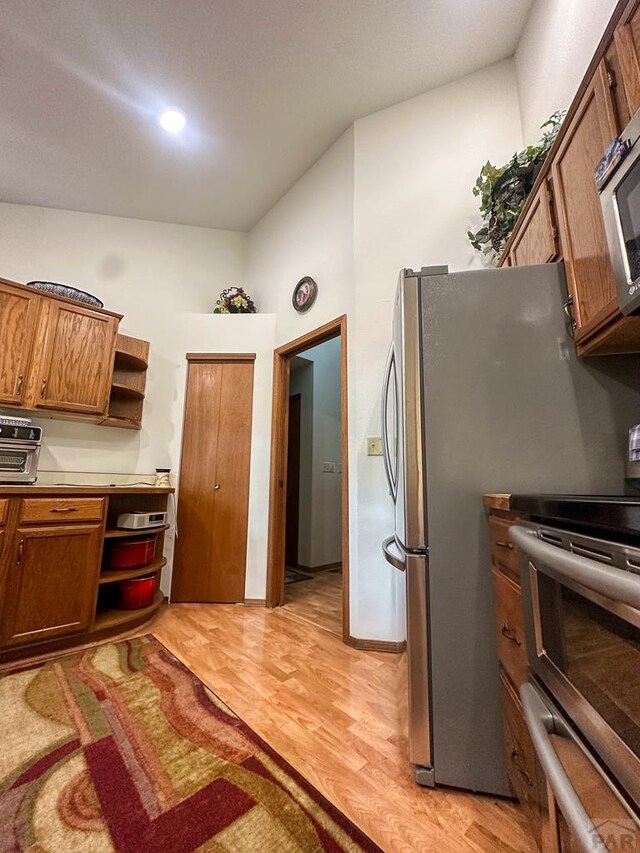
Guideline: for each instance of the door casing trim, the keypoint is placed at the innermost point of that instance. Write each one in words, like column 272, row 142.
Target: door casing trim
column 278, row 477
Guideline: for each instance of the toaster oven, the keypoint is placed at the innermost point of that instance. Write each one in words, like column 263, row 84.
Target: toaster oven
column 20, row 443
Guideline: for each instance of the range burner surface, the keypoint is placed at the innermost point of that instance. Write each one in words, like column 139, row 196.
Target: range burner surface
column 614, row 513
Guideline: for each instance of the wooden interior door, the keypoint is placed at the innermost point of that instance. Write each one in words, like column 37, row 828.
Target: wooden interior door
column 18, row 316
column 52, row 581
column 77, row 364
column 213, row 503
column 293, row 482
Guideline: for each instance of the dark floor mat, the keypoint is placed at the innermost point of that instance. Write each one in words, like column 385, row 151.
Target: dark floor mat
column 292, row 576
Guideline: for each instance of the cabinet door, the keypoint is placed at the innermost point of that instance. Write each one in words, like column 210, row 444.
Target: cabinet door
column 627, row 47
column 18, row 315
column 52, row 582
column 77, row 364
column 537, row 238
column 584, row 243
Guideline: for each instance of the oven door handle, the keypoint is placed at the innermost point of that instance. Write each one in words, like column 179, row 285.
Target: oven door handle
column 541, row 723
column 562, row 565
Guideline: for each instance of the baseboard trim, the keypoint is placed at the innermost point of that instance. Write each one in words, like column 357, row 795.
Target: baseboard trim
column 377, row 645
column 255, row 602
column 312, row 569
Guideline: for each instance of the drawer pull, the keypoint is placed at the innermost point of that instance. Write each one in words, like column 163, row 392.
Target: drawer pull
column 510, row 634
column 64, row 509
column 43, row 388
column 502, row 544
column 19, row 382
column 20, row 551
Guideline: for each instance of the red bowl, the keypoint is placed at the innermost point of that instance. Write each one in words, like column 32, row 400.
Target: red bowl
column 138, row 592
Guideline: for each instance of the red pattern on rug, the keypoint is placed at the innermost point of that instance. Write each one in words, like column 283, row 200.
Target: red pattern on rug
column 121, row 748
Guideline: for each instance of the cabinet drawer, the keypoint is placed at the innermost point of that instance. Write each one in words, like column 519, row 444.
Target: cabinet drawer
column 510, row 627
column 522, row 767
column 62, row 509
column 4, row 510
column 504, row 553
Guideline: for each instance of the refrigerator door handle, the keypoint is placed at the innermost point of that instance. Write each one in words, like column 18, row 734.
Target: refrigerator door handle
column 395, row 559
column 541, row 723
column 386, row 452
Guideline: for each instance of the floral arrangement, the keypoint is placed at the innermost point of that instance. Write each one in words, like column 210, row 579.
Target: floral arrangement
column 503, row 190
column 234, row 300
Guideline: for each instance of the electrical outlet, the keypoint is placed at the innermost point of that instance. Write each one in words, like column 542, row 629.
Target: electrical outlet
column 374, row 446
column 326, row 467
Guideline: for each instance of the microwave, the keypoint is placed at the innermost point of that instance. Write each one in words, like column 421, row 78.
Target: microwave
column 617, row 178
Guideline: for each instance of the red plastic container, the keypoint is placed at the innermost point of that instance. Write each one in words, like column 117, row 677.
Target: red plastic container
column 131, row 553
column 138, row 592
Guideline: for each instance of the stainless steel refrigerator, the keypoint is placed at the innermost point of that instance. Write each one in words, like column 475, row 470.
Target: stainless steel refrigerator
column 482, row 393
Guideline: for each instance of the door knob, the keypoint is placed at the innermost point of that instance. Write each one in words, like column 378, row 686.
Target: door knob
column 216, row 486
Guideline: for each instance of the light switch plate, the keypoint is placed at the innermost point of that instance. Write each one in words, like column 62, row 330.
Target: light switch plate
column 374, row 446
column 326, row 467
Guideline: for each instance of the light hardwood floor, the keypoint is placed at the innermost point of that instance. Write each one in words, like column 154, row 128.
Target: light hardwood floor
column 317, row 600
column 338, row 715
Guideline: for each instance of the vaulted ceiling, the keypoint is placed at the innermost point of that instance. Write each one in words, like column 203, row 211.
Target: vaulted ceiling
column 267, row 86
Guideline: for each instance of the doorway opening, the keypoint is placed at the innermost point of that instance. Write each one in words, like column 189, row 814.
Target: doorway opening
column 308, row 565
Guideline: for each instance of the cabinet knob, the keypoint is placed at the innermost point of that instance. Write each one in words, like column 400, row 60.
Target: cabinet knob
column 216, row 486
column 20, row 551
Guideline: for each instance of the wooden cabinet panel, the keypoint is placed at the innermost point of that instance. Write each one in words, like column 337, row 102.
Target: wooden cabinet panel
column 627, row 61
column 537, row 238
column 589, row 275
column 62, row 509
column 75, row 371
column 512, row 650
column 52, row 582
column 504, row 554
column 4, row 510
column 18, row 318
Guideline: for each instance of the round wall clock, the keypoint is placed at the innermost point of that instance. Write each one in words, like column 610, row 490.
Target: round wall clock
column 304, row 294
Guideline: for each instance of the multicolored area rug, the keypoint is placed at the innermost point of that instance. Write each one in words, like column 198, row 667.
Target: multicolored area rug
column 121, row 748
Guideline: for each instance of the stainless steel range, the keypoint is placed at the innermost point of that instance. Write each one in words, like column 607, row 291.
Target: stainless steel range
column 580, row 571
column 20, row 443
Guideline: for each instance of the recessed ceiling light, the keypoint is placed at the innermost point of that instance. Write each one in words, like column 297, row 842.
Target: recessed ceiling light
column 172, row 120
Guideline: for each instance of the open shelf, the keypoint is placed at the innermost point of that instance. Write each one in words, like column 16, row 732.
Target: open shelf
column 122, row 423
column 114, row 617
column 128, row 383
column 119, row 389
column 113, row 575
column 129, row 361
column 121, row 533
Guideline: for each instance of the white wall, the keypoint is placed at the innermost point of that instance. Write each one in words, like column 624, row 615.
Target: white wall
column 308, row 232
column 415, row 166
column 164, row 279
column 559, row 39
column 320, row 518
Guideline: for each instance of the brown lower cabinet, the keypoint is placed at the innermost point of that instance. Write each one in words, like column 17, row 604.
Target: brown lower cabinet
column 52, row 590
column 525, row 774
column 56, row 585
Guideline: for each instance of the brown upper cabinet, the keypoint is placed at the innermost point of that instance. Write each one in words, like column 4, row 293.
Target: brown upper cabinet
column 57, row 356
column 74, row 373
column 18, row 319
column 586, row 254
column 563, row 219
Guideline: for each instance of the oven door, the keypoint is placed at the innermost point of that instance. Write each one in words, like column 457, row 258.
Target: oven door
column 596, row 815
column 583, row 638
column 18, row 461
